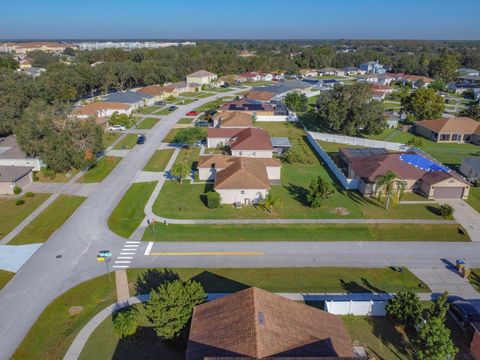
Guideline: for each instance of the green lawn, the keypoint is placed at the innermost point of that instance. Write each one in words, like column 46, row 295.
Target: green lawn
column 186, row 101
column 5, row 277
column 128, row 142
column 58, row 177
column 475, row 279
column 210, row 105
column 305, row 232
column 474, row 198
column 55, row 329
column 449, row 154
column 129, row 212
column 148, row 109
column 148, row 123
column 159, row 160
column 109, row 138
column 100, row 170
column 190, row 156
column 171, row 135
column 11, row 215
column 185, row 120
column 52, row 218
column 164, row 111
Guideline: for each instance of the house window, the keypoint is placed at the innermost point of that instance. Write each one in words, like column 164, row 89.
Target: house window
column 254, row 153
column 240, row 153
column 456, row 137
column 242, row 192
column 466, row 138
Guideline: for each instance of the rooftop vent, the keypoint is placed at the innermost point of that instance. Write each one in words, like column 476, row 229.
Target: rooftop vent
column 261, row 319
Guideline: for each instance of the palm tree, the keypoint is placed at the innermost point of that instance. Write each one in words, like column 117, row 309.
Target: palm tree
column 272, row 201
column 388, row 185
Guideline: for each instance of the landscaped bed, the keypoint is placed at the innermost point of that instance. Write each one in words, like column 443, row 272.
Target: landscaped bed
column 159, row 160
column 100, row 170
column 11, row 215
column 52, row 218
column 129, row 212
column 305, row 232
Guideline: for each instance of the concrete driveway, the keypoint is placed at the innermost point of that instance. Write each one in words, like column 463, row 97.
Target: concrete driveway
column 467, row 216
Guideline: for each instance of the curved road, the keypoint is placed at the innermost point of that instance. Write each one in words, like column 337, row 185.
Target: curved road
column 44, row 276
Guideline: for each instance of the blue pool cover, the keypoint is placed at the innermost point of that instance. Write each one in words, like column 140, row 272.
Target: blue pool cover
column 422, row 163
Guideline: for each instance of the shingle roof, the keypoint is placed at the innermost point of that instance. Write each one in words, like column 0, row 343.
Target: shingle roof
column 234, row 119
column 460, row 125
column 222, row 132
column 260, row 95
column 243, row 173
column 251, row 139
column 155, row 90
column 9, row 148
column 201, row 73
column 256, row 324
column 13, row 173
column 94, row 107
column 127, row 97
column 474, row 162
column 223, row 161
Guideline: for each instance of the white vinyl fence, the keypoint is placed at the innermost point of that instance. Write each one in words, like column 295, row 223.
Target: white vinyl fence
column 359, row 308
column 351, row 140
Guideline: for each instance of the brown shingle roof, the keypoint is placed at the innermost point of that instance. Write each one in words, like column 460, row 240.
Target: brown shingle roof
column 257, row 324
column 234, row 119
column 243, row 173
column 415, row 78
column 201, row 73
column 459, row 125
column 155, row 90
column 223, row 161
column 260, row 95
column 251, row 139
column 222, row 132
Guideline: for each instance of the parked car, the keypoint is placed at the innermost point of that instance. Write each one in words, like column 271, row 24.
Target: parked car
column 117, row 128
column 160, row 103
column 141, row 139
column 464, row 313
column 172, row 108
column 192, row 113
column 202, row 123
column 225, row 85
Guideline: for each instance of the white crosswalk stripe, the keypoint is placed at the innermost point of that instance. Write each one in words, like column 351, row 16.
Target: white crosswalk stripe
column 122, row 262
column 125, row 257
column 121, row 266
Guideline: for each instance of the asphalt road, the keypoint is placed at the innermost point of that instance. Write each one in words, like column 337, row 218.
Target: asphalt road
column 44, row 276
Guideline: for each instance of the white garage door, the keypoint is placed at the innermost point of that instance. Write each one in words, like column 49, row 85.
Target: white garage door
column 448, row 193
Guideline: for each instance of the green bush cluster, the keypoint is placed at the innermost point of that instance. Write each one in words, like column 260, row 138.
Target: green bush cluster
column 17, row 190
column 213, row 199
column 19, row 202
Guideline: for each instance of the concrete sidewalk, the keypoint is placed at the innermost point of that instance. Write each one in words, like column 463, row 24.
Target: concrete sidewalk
column 467, row 216
column 78, row 189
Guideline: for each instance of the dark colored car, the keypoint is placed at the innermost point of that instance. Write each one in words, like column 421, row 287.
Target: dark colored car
column 172, row 108
column 141, row 139
column 160, row 103
column 464, row 313
column 225, row 85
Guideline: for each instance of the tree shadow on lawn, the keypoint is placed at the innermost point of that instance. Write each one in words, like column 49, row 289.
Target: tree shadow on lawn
column 151, row 279
column 391, row 336
column 214, row 283
column 145, row 344
column 364, row 287
column 298, row 193
column 434, row 210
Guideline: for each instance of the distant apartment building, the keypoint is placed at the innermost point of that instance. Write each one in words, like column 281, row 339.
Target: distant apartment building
column 24, row 48
column 202, row 77
column 129, row 45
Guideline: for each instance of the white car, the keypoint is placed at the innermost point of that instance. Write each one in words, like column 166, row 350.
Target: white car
column 117, row 128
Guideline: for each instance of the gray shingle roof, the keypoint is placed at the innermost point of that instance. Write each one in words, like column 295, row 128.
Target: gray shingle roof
column 282, row 142
column 9, row 149
column 13, row 173
column 474, row 162
column 127, row 97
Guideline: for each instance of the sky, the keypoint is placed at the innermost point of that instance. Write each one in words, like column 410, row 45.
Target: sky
column 240, row 19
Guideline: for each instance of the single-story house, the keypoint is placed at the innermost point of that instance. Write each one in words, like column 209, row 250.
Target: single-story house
column 470, row 167
column 453, row 129
column 352, row 70
column 280, row 144
column 256, row 324
column 380, row 91
column 159, row 92
column 415, row 81
column 12, row 176
column 461, row 87
column 308, row 72
column 249, row 142
column 209, row 165
column 419, row 173
column 469, row 79
column 260, row 95
column 261, row 111
column 372, row 67
column 202, row 77
column 328, row 71
column 12, row 155
column 232, row 119
column 101, row 109
column 467, row 71
column 132, row 98
column 282, row 88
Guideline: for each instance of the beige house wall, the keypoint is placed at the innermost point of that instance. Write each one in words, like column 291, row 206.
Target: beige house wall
column 249, row 196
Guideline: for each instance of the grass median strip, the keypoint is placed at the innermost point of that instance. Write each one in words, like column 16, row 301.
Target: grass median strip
column 128, row 142
column 45, row 224
column 159, row 160
column 100, row 170
column 305, row 232
column 129, row 212
column 148, row 123
column 11, row 215
column 5, row 277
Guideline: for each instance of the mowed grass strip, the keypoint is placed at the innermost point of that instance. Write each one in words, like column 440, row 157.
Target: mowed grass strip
column 171, row 135
column 306, row 232
column 148, row 123
column 185, row 120
column 100, row 170
column 128, row 142
column 109, row 138
column 45, row 224
column 129, row 212
column 474, row 198
column 11, row 215
column 159, row 160
column 148, row 109
column 164, row 111
column 5, row 277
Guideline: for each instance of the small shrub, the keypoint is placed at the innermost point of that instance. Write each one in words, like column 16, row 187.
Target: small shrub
column 446, row 211
column 19, row 202
column 213, row 200
column 196, row 177
column 30, row 194
column 17, row 190
column 47, row 172
column 35, row 176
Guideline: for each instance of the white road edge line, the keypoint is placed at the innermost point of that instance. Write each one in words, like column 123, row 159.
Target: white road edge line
column 149, row 248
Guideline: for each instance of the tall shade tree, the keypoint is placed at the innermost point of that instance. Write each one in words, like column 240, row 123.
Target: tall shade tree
column 350, row 110
column 445, row 66
column 405, row 309
column 471, row 111
column 170, row 306
column 180, row 170
column 433, row 341
column 423, row 104
column 389, row 186
column 297, row 102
